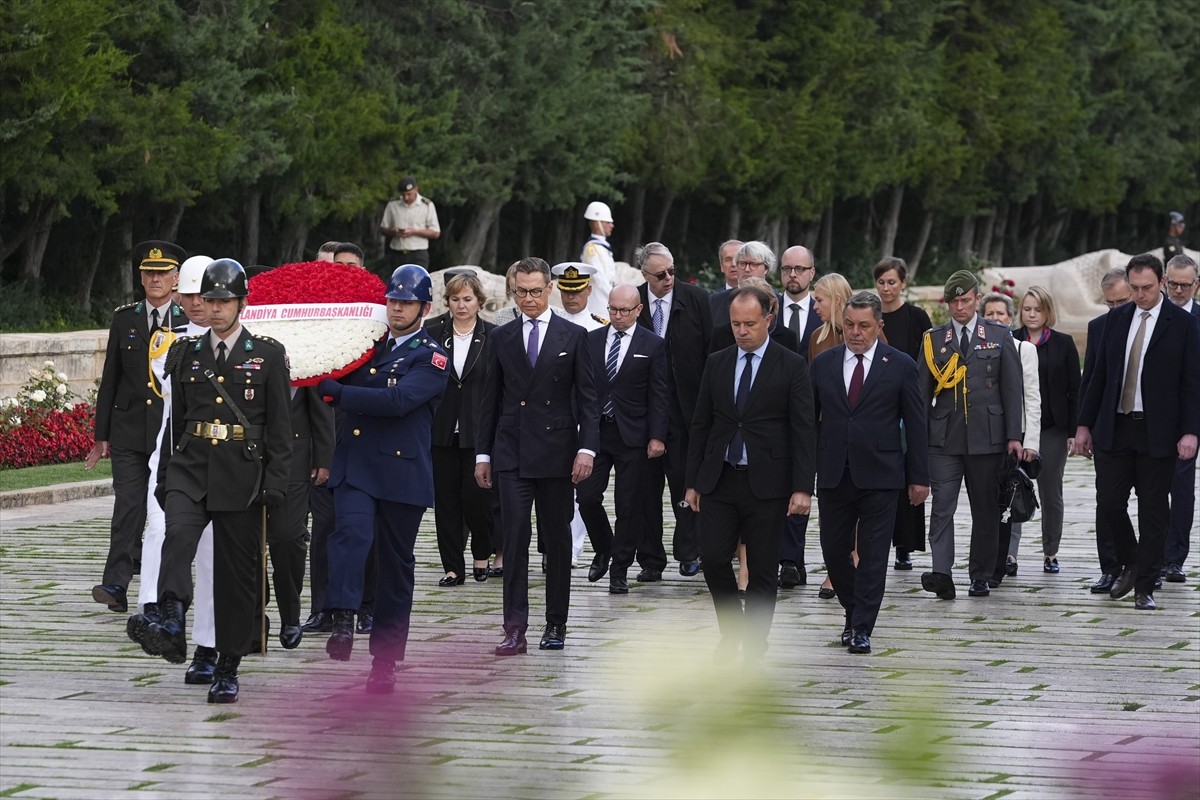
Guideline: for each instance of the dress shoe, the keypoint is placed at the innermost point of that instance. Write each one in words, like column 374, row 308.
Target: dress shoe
column 168, row 638
column 826, row 593
column 1144, row 602
column 860, row 642
column 138, row 624
column 382, row 679
column 618, row 584
column 994, row 583
column 224, row 687
column 452, row 580
column 978, row 589
column 847, row 635
column 111, row 596
column 1050, row 565
column 1174, row 574
column 495, row 572
column 204, row 664
column 599, row 568
column 938, row 583
column 290, row 636
column 553, row 637
column 480, row 574
column 1123, row 585
column 649, row 575
column 789, row 576
column 341, row 639
column 1010, row 566
column 1104, row 585
column 689, row 569
column 366, row 621
column 514, row 642
column 903, row 560
column 318, row 622
column 1157, row 584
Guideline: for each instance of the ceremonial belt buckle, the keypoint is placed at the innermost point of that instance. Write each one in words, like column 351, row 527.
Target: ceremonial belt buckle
column 222, row 432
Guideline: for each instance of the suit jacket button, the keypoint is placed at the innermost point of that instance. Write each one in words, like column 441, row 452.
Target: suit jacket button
column 522, row 402
column 357, row 432
column 547, row 427
column 295, row 436
column 397, row 452
column 373, row 370
column 547, row 402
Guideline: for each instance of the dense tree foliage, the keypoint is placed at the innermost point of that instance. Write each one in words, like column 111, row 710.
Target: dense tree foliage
column 947, row 132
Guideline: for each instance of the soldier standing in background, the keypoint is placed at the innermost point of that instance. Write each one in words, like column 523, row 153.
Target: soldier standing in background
column 411, row 223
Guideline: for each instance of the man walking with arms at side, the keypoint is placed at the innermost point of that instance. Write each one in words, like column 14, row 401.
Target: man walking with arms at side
column 1183, row 276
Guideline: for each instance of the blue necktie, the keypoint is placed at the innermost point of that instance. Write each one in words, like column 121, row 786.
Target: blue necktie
column 657, row 320
column 737, row 444
column 531, row 349
column 610, row 366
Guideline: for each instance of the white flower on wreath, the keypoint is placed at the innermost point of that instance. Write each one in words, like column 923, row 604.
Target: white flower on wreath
column 318, row 347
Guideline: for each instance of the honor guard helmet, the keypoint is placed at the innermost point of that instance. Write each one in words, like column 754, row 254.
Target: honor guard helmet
column 598, row 212
column 410, row 282
column 191, row 273
column 223, row 278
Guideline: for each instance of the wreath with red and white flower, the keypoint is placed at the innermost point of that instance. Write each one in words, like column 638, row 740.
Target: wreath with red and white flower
column 328, row 316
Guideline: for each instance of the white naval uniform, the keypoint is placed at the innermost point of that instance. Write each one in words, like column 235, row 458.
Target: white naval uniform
column 204, row 630
column 597, row 252
column 587, row 320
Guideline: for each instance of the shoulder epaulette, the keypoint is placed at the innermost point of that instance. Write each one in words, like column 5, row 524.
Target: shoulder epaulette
column 425, row 200
column 599, row 319
column 262, row 338
column 122, row 308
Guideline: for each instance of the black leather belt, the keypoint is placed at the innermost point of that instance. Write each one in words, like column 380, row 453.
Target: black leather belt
column 1135, row 415
column 738, row 467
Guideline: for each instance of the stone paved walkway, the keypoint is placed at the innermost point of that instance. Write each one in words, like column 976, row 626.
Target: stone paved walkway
column 1040, row 691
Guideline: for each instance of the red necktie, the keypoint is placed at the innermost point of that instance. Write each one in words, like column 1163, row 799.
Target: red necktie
column 856, row 382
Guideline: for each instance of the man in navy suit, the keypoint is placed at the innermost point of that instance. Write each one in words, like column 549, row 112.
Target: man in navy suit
column 629, row 364
column 750, row 461
column 382, row 475
column 1138, row 416
column 1183, row 276
column 538, row 435
column 680, row 314
column 862, row 391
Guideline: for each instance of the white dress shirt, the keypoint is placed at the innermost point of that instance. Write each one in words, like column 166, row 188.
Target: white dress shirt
column 849, row 362
column 1133, row 329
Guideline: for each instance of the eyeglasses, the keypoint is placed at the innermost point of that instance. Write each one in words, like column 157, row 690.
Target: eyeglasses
column 658, row 276
column 1116, row 303
column 621, row 312
column 796, row 270
column 1179, row 287
column 528, row 292
column 748, row 264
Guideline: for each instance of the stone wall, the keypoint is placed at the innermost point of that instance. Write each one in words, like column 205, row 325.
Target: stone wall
column 79, row 354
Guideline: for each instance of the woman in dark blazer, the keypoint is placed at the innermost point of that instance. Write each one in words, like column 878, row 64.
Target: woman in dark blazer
column 459, row 504
column 1058, row 376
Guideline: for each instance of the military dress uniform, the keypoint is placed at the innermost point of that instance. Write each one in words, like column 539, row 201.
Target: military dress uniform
column 129, row 411
column 598, row 253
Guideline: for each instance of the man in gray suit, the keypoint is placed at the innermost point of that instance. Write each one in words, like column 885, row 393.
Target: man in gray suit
column 970, row 379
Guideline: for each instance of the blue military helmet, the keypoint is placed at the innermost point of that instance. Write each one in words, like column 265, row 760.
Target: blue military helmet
column 223, row 278
column 410, row 282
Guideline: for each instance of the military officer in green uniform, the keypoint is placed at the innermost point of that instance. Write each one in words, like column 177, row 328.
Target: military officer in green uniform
column 129, row 411
column 229, row 453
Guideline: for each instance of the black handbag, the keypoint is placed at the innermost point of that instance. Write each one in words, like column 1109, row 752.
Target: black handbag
column 1018, row 498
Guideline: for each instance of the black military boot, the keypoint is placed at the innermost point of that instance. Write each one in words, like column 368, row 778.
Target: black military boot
column 225, row 680
column 138, row 624
column 169, row 638
column 200, row 671
column 341, row 640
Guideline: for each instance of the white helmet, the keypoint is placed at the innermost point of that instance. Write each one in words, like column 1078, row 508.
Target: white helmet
column 598, row 212
column 190, row 273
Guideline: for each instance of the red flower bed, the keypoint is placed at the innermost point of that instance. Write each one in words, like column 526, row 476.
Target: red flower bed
column 47, row 436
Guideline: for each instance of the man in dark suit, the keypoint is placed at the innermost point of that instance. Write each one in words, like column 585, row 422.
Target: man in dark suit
column 538, row 435
column 1183, row 276
column 629, row 364
column 799, row 313
column 1138, row 416
column 680, row 314
column 750, row 461
column 863, row 390
column 970, row 381
column 753, row 260
column 1114, row 286
column 129, row 411
column 232, row 454
column 382, row 475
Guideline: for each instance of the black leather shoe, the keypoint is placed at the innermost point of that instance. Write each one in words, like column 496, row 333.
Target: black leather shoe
column 480, row 574
column 553, row 637
column 599, row 568
column 224, row 687
column 111, row 596
column 290, row 636
column 689, row 569
column 1144, row 602
column 978, row 589
column 1172, row 574
column 860, row 642
column 495, row 572
column 1104, row 585
column 452, row 580
column 903, row 560
column 826, row 593
column 618, row 584
column 514, row 643
column 649, row 575
column 168, row 638
column 789, row 575
column 367, row 621
column 938, row 583
column 994, row 583
column 318, row 622
column 137, row 625
column 1157, row 584
column 1051, row 565
column 382, row 679
column 1010, row 566
column 204, row 664
column 847, row 635
column 341, row 639
column 1123, row 585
